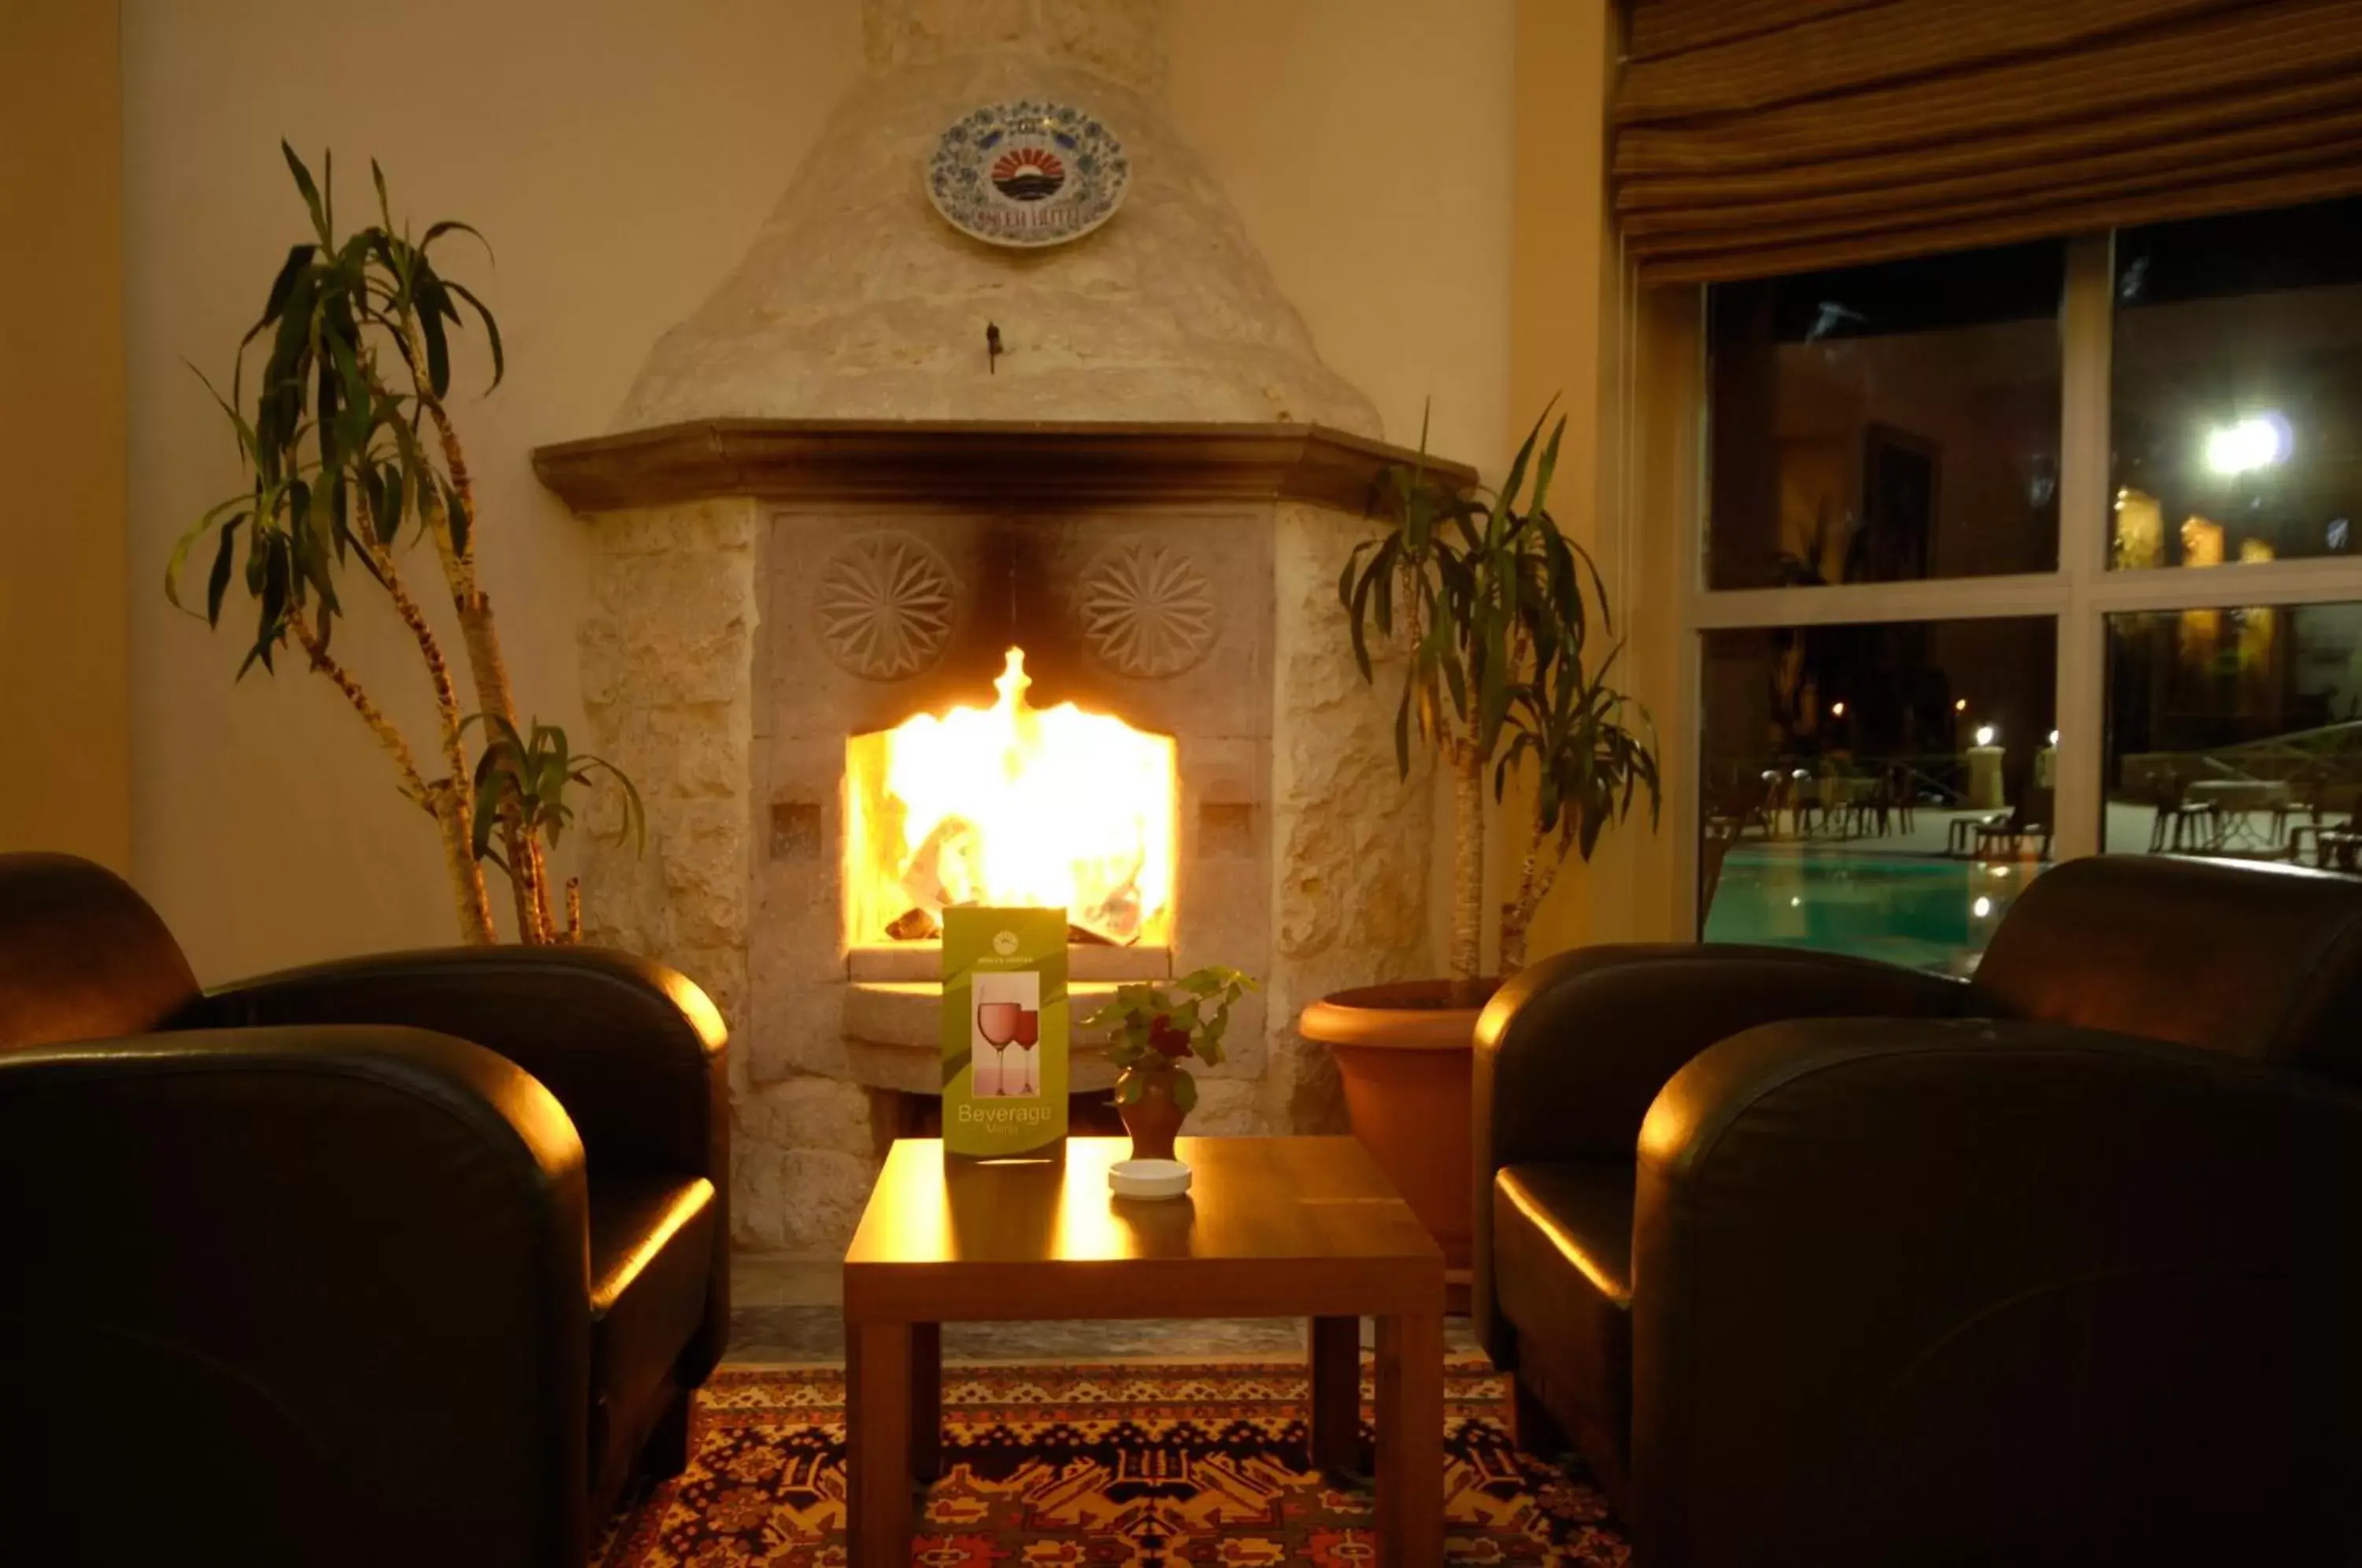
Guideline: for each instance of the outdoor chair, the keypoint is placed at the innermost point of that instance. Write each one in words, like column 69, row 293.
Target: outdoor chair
column 2190, row 824
column 2030, row 818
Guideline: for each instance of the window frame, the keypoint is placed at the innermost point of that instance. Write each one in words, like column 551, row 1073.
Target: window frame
column 2079, row 595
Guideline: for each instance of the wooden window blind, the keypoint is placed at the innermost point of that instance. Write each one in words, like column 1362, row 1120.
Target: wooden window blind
column 1760, row 137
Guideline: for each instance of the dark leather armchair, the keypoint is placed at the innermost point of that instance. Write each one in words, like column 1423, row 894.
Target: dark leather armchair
column 405, row 1259
column 1823, row 1262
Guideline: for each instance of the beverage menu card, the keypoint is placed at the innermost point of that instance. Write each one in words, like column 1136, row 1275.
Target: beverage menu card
column 1004, row 1031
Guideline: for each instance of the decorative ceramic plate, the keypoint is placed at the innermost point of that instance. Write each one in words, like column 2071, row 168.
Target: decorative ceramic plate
column 1028, row 173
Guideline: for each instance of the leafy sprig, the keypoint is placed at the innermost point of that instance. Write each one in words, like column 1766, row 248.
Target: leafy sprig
column 1155, row 1026
column 339, row 467
column 522, row 779
column 1495, row 609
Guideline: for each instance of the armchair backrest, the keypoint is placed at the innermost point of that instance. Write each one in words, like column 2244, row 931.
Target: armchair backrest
column 2259, row 961
column 81, row 955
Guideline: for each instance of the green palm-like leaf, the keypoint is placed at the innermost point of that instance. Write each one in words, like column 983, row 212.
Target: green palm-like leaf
column 492, row 327
column 311, row 191
column 525, row 781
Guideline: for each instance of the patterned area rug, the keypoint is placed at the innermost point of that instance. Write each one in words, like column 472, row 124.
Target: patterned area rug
column 1109, row 1467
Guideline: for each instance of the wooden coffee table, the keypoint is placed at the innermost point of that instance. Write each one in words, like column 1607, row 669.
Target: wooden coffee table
column 1272, row 1228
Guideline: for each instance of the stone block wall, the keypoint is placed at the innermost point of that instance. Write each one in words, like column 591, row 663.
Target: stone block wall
column 667, row 677
column 1350, row 835
column 670, row 677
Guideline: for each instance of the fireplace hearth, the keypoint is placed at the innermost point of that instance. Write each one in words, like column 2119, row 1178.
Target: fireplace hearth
column 826, row 518
column 715, row 676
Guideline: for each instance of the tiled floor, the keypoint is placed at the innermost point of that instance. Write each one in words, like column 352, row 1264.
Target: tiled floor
column 784, row 1311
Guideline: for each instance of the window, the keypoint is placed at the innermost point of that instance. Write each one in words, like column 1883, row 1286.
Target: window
column 1882, row 788
column 2095, row 498
column 2232, row 409
column 2235, row 731
column 1887, row 423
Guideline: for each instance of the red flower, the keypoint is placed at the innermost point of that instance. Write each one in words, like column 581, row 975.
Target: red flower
column 1169, row 1037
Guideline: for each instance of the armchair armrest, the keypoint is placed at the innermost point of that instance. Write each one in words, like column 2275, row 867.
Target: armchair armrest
column 1969, row 1291
column 1571, row 1050
column 349, row 1265
column 632, row 1050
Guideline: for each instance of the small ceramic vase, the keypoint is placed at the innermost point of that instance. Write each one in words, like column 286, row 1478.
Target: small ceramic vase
column 1153, row 1118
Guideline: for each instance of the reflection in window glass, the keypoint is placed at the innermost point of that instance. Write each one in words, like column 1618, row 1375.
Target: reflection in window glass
column 1877, row 790
column 2236, row 415
column 2236, row 732
column 1886, row 422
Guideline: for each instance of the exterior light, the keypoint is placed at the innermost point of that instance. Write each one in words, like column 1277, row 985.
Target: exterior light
column 1982, row 908
column 1961, row 706
column 2257, row 442
column 1795, row 903
column 1985, row 733
column 1836, row 709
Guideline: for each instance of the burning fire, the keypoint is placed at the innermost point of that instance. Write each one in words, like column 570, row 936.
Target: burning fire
column 1012, row 805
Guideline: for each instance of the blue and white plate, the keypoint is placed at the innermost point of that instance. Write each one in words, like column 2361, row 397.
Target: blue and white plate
column 1028, row 175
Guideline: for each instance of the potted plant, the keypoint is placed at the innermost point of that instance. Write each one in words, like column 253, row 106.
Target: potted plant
column 351, row 459
column 1494, row 611
column 1154, row 1028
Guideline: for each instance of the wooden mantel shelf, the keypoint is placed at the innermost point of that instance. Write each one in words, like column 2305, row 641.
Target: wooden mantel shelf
column 827, row 459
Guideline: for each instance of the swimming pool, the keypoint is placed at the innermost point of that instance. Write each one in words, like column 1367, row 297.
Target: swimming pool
column 1923, row 913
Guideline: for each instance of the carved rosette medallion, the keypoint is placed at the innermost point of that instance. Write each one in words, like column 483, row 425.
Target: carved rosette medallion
column 883, row 605
column 1146, row 608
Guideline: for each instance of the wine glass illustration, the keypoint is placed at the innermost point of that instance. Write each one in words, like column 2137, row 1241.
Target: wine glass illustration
column 999, row 1023
column 1029, row 1033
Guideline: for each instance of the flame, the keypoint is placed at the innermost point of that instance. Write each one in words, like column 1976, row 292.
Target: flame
column 1013, row 805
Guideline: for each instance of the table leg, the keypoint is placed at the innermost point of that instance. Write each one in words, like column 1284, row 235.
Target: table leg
column 1336, row 1394
column 1410, row 1440
column 877, row 1399
column 926, row 1401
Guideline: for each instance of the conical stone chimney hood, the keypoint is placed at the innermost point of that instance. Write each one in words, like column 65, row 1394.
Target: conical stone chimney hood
column 858, row 302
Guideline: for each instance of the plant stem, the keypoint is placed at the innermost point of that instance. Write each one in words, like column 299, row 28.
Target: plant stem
column 1535, row 879
column 447, row 805
column 460, row 804
column 478, row 632
column 1517, row 913
column 538, row 883
column 1467, row 863
column 413, row 785
column 450, row 804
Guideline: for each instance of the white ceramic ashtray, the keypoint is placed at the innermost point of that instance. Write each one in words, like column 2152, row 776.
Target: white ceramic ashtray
column 1148, row 1178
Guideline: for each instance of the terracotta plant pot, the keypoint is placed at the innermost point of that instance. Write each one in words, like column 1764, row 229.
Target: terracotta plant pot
column 1153, row 1119
column 1406, row 1054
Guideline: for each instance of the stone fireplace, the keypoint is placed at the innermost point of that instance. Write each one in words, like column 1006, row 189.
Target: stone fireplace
column 826, row 517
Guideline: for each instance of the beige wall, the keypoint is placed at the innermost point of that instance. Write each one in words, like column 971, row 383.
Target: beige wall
column 619, row 156
column 1576, row 340
column 1367, row 144
column 64, row 687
